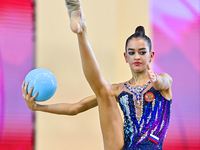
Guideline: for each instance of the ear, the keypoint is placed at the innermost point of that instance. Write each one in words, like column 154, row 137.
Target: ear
column 125, row 56
column 151, row 56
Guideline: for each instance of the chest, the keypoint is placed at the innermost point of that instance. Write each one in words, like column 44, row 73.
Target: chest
column 151, row 104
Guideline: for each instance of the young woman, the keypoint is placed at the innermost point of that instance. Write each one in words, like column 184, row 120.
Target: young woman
column 145, row 99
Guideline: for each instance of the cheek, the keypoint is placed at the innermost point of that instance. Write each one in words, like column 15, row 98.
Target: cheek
column 145, row 60
column 148, row 57
column 129, row 57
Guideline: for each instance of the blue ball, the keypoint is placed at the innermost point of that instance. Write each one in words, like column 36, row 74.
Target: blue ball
column 43, row 82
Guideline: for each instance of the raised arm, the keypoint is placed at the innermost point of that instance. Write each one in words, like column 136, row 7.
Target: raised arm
column 61, row 108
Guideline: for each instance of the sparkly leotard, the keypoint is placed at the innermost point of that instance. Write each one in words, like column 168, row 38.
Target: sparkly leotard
column 145, row 121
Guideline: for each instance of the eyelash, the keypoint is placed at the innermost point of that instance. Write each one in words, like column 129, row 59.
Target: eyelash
column 141, row 53
column 131, row 53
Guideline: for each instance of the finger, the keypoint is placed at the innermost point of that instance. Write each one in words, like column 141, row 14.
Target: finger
column 36, row 94
column 149, row 72
column 148, row 67
column 23, row 84
column 26, row 85
column 30, row 92
column 24, row 88
column 150, row 78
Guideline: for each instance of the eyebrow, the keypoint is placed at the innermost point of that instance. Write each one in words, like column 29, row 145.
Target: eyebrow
column 131, row 49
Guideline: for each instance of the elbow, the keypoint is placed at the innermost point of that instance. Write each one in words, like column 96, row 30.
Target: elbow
column 71, row 113
column 74, row 113
column 72, row 110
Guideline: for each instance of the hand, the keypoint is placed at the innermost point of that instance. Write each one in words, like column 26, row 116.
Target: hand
column 152, row 75
column 30, row 101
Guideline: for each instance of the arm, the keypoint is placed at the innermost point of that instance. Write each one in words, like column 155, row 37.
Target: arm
column 69, row 109
column 160, row 82
column 61, row 108
column 73, row 109
column 164, row 82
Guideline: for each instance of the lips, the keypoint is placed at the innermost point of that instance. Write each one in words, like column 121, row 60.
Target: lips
column 137, row 63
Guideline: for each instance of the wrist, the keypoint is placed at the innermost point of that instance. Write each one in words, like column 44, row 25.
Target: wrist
column 36, row 108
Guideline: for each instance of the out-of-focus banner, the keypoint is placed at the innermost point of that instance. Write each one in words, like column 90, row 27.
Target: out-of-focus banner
column 16, row 60
column 176, row 42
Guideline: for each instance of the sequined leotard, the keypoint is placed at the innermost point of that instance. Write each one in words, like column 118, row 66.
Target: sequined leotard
column 145, row 121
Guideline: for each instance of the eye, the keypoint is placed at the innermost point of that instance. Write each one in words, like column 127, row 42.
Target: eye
column 131, row 53
column 143, row 52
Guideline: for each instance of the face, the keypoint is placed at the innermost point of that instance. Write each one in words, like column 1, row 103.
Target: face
column 137, row 55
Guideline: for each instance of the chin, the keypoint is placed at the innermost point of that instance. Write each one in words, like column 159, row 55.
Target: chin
column 138, row 70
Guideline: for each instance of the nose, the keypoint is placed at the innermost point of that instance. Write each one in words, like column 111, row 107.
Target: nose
column 137, row 56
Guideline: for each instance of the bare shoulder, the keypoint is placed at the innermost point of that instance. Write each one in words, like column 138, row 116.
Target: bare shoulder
column 167, row 93
column 115, row 88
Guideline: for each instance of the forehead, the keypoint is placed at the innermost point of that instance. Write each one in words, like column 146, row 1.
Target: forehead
column 137, row 43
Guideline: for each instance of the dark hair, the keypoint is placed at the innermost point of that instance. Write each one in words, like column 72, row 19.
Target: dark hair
column 139, row 33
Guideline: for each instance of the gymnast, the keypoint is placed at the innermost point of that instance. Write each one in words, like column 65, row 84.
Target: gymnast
column 145, row 98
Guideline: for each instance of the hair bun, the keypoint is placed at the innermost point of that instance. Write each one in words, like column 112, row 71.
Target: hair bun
column 140, row 30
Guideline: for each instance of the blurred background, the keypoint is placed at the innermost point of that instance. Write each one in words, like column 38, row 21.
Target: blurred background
column 36, row 34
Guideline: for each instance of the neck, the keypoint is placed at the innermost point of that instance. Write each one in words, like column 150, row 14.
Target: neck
column 139, row 78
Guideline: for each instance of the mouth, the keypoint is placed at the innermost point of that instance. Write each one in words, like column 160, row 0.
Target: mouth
column 137, row 63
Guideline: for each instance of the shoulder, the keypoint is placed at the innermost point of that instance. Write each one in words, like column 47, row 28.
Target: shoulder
column 116, row 88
